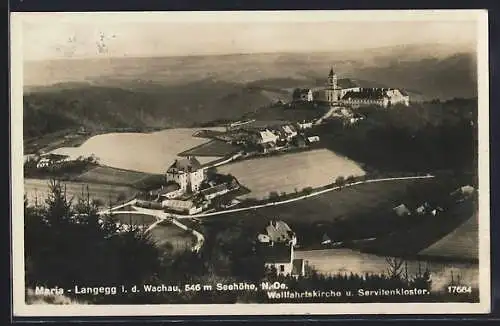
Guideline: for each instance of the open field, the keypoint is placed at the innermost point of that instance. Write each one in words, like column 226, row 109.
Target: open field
column 334, row 261
column 109, row 175
column 463, row 242
column 49, row 142
column 211, row 148
column 166, row 233
column 144, row 152
column 38, row 189
column 290, row 172
column 356, row 212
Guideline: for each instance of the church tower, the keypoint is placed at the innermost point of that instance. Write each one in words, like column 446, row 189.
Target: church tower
column 332, row 91
column 332, row 79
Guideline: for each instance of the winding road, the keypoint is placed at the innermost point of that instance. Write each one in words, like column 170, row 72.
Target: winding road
column 175, row 218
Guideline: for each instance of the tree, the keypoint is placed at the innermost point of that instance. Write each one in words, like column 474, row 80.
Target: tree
column 273, row 195
column 307, row 190
column 340, row 181
column 422, row 280
column 68, row 244
column 349, row 179
column 394, row 267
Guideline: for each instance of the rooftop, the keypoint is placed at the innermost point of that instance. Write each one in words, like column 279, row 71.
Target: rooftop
column 179, row 204
column 187, row 164
column 169, row 187
column 214, row 189
column 52, row 156
column 276, row 254
column 279, row 231
column 367, row 94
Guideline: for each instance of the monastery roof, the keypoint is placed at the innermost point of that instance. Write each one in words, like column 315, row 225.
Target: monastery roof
column 367, row 94
column 187, row 164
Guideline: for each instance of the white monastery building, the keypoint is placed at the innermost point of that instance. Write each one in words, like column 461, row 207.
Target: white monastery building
column 359, row 96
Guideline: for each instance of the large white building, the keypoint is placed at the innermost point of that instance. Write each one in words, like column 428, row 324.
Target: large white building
column 187, row 173
column 359, row 96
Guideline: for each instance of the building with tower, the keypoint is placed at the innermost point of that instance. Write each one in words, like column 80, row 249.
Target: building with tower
column 334, row 95
column 332, row 91
column 187, row 173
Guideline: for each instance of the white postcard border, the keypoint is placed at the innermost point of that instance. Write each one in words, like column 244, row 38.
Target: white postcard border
column 21, row 309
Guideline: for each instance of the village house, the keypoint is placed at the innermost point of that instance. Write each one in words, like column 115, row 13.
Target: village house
column 304, row 125
column 313, row 139
column 289, row 132
column 215, row 191
column 183, row 206
column 277, row 248
column 266, row 137
column 49, row 160
column 187, row 173
column 169, row 191
column 401, row 210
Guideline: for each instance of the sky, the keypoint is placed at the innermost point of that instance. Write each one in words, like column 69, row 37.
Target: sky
column 48, row 36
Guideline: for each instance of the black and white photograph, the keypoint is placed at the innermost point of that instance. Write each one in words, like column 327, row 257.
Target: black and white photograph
column 230, row 163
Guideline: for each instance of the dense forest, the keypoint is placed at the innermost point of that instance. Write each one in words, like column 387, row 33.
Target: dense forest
column 423, row 137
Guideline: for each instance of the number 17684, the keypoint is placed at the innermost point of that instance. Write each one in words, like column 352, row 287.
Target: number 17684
column 459, row 289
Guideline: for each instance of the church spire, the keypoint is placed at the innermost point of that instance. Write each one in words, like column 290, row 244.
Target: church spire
column 331, row 72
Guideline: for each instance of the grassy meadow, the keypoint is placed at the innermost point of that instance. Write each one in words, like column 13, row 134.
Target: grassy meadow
column 290, row 172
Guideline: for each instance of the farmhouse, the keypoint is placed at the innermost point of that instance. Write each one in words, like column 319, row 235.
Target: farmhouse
column 170, row 190
column 48, row 160
column 266, row 137
column 289, row 132
column 187, row 173
column 280, row 232
column 313, row 139
column 401, row 210
column 304, row 125
column 280, row 258
column 332, row 94
column 277, row 249
column 215, row 191
column 182, row 206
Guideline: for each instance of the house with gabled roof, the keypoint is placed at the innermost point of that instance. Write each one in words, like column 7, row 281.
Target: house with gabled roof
column 277, row 248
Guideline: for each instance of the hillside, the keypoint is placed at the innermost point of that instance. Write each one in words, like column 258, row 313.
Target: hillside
column 462, row 242
column 137, row 105
column 184, row 91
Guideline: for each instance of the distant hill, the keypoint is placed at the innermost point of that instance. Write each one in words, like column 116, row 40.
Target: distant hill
column 453, row 76
column 182, row 91
column 133, row 105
